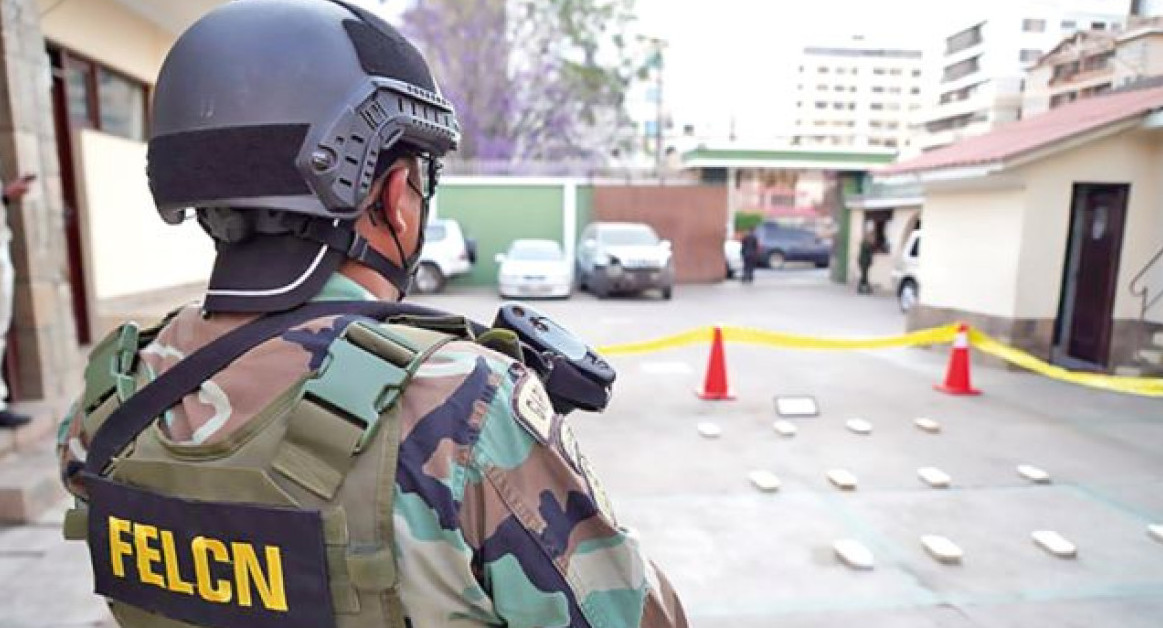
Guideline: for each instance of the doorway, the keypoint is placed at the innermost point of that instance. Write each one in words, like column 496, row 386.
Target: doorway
column 1085, row 323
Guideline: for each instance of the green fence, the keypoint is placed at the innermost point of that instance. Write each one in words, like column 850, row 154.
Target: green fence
column 496, row 213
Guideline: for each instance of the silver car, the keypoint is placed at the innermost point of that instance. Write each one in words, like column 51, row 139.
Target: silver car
column 624, row 257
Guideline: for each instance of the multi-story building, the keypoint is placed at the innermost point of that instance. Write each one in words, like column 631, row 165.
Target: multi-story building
column 1089, row 63
column 857, row 95
column 977, row 76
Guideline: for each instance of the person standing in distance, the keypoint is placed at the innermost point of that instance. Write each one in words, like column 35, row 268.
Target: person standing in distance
column 13, row 192
column 339, row 470
column 750, row 250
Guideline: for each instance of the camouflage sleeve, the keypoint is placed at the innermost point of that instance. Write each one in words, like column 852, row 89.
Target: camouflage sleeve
column 541, row 529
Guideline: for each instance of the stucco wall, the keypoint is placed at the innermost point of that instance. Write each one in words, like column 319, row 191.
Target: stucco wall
column 106, row 31
column 1132, row 157
column 128, row 247
column 971, row 250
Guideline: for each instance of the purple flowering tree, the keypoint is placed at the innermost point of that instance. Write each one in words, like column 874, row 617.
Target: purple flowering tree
column 532, row 80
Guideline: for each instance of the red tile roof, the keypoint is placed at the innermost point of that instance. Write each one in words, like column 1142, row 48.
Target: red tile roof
column 1040, row 131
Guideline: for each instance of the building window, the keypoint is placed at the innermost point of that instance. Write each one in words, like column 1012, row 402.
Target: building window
column 822, row 70
column 878, row 90
column 1057, row 100
column 1033, row 26
column 1098, row 26
column 821, row 105
column 960, row 69
column 1097, row 62
column 916, row 73
column 965, row 39
column 121, row 105
column 102, row 99
column 1030, row 55
column 914, row 91
column 878, row 71
column 876, row 106
column 1068, row 25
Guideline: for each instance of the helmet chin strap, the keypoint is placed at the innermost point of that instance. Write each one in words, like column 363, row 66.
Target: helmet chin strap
column 410, row 262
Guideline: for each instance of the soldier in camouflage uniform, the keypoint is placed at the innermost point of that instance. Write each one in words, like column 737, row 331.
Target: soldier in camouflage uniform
column 494, row 518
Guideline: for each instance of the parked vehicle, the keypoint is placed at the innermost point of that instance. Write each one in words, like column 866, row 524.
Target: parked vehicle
column 624, row 257
column 904, row 273
column 779, row 244
column 534, row 268
column 733, row 253
column 446, row 254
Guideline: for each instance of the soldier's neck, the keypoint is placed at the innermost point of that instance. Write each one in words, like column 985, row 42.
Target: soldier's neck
column 372, row 281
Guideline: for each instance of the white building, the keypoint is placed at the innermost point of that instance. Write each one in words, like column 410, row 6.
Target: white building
column 976, row 77
column 857, row 95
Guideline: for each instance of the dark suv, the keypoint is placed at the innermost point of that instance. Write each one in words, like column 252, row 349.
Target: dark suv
column 779, row 244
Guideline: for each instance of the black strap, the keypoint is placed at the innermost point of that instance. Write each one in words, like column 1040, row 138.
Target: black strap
column 354, row 246
column 142, row 409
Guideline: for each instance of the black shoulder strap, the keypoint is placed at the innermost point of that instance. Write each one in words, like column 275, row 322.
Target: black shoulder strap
column 139, row 411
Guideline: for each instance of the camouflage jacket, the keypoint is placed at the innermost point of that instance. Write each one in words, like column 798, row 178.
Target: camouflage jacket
column 499, row 518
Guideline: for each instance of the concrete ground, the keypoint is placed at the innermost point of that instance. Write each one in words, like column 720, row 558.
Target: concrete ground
column 742, row 558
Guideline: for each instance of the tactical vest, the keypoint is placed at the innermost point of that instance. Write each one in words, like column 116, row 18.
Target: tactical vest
column 287, row 523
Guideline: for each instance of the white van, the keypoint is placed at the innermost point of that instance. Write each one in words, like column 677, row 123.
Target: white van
column 447, row 253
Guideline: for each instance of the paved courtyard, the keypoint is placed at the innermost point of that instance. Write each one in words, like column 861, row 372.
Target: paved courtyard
column 743, row 558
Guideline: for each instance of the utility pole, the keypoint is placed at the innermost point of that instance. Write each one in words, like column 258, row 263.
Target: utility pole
column 658, row 109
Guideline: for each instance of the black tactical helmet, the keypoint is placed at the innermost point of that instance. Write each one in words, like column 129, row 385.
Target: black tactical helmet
column 273, row 118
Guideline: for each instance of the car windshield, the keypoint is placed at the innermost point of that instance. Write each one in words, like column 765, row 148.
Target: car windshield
column 535, row 251
column 629, row 236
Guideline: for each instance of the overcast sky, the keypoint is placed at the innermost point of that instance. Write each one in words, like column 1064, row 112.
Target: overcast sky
column 737, row 58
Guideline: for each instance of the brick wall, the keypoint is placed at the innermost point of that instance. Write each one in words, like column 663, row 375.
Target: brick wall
column 693, row 218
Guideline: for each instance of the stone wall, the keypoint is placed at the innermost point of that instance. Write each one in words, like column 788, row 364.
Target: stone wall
column 44, row 333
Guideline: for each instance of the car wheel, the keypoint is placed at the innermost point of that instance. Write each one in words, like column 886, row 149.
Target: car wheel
column 908, row 295
column 600, row 292
column 775, row 259
column 667, row 292
column 821, row 264
column 428, row 279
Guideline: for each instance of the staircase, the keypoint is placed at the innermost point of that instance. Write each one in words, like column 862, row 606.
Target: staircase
column 1148, row 286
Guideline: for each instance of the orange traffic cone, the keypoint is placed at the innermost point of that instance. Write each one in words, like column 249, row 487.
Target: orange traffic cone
column 957, row 376
column 715, row 387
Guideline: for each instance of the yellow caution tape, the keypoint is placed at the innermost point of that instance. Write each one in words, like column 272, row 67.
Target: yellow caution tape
column 1145, row 386
column 1150, row 387
column 936, row 335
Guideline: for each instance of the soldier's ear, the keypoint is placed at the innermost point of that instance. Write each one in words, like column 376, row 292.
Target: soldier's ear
column 394, row 196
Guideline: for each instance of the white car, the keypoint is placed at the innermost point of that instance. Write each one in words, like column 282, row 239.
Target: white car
column 904, row 273
column 446, row 254
column 534, row 268
column 733, row 252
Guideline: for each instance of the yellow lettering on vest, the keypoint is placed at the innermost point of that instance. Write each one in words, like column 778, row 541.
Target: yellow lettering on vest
column 269, row 584
column 202, row 548
column 170, row 558
column 118, row 549
column 146, row 555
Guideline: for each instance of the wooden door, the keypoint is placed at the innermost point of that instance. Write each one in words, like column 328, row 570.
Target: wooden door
column 1097, row 239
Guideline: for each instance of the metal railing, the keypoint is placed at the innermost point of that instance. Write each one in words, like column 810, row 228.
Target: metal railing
column 1148, row 283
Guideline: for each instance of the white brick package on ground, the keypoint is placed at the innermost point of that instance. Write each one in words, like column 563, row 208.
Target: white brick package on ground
column 710, row 430
column 843, row 479
column 1054, row 543
column 934, row 477
column 765, row 481
column 787, row 429
column 859, row 426
column 942, row 549
column 1033, row 474
column 854, row 554
column 927, row 425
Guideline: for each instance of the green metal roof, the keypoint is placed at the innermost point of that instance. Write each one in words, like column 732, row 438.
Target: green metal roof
column 728, row 157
